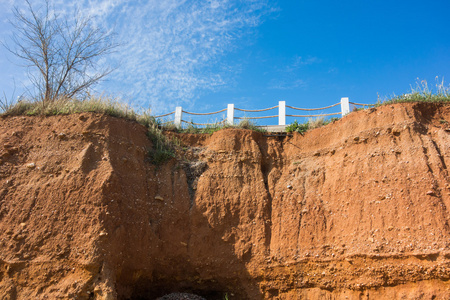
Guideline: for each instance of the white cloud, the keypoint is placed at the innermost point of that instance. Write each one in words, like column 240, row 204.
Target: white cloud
column 171, row 50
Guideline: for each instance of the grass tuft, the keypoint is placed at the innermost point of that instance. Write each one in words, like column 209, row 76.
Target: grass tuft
column 421, row 92
column 163, row 148
column 312, row 123
column 213, row 127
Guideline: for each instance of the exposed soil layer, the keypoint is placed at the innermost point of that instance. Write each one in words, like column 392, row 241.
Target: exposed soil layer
column 358, row 209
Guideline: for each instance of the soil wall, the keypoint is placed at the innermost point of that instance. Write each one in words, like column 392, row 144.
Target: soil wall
column 357, row 209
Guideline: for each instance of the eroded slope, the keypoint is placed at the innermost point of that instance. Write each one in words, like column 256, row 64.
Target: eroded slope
column 356, row 209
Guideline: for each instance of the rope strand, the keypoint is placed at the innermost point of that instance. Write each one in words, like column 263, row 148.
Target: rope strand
column 362, row 104
column 309, row 109
column 164, row 115
column 307, row 116
column 204, row 114
column 255, row 110
column 254, row 118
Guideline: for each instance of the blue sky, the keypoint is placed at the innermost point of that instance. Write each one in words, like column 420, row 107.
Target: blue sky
column 204, row 54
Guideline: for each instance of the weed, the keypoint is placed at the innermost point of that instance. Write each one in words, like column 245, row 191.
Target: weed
column 443, row 121
column 213, row 127
column 316, row 123
column 163, row 149
column 248, row 124
column 297, row 127
column 421, row 92
column 310, row 124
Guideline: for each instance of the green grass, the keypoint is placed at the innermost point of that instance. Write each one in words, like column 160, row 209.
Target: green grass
column 163, row 148
column 421, row 92
column 211, row 128
column 312, row 123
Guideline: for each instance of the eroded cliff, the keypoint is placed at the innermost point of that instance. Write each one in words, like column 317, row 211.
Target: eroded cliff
column 357, row 209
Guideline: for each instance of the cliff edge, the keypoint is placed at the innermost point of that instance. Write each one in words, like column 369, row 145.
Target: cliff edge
column 358, row 209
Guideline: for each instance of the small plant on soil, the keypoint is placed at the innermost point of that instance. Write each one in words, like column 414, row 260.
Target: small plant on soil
column 213, row 127
column 421, row 92
column 163, row 147
column 312, row 123
column 297, row 127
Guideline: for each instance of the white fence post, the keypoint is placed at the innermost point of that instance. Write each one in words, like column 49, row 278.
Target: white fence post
column 282, row 113
column 178, row 116
column 345, row 106
column 230, row 114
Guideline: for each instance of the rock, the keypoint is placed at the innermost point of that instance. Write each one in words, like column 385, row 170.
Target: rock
column 396, row 132
column 31, row 165
column 159, row 198
column 430, row 193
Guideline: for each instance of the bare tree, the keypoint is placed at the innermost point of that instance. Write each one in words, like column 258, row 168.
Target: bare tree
column 62, row 55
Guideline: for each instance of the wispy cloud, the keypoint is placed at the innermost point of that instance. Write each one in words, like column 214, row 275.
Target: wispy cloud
column 297, row 62
column 171, row 50
column 286, row 84
column 170, row 46
column 287, row 76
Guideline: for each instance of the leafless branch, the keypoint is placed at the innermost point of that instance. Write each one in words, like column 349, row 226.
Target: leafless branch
column 61, row 55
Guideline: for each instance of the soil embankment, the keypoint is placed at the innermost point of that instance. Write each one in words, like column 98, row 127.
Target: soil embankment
column 358, row 209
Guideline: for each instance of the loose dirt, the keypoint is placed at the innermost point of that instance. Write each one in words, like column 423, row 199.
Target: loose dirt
column 358, row 209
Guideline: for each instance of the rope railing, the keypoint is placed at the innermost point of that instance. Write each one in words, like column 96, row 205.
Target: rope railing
column 319, row 115
column 205, row 114
column 168, row 114
column 361, row 104
column 255, row 118
column 256, row 110
column 311, row 109
column 231, row 109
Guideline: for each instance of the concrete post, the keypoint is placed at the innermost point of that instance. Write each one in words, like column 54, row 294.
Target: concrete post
column 178, row 116
column 345, row 106
column 230, row 114
column 282, row 113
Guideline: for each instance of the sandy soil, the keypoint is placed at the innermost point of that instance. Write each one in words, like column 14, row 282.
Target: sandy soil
column 357, row 209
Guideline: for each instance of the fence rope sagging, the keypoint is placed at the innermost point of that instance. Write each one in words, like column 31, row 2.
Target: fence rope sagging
column 310, row 109
column 319, row 115
column 168, row 114
column 230, row 113
column 254, row 118
column 256, row 110
column 203, row 124
column 362, row 104
column 205, row 114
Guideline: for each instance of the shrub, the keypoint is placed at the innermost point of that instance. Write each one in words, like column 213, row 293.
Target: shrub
column 297, row 127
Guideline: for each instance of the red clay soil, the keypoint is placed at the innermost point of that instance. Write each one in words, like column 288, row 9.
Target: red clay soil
column 358, row 209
